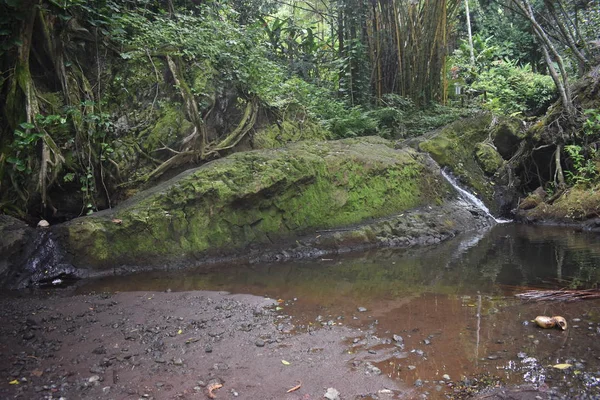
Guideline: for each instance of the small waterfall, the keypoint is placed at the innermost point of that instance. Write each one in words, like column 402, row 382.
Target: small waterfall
column 470, row 197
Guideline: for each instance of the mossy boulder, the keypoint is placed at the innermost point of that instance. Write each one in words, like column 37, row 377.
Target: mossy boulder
column 288, row 131
column 578, row 204
column 507, row 135
column 488, row 158
column 468, row 147
column 255, row 198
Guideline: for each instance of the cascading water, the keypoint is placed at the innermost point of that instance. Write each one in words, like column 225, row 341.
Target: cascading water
column 471, row 198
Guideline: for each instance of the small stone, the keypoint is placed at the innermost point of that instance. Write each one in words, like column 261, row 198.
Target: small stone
column 208, row 348
column 398, row 338
column 332, row 394
column 361, row 309
column 412, row 367
column 493, row 357
column 427, row 342
column 418, row 383
column 260, row 343
column 99, row 350
column 94, row 379
column 372, row 370
column 178, row 361
column 43, row 224
column 521, row 355
column 446, row 377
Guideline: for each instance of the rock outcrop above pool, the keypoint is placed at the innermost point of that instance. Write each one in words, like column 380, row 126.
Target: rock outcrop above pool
column 305, row 200
column 256, row 198
column 476, row 150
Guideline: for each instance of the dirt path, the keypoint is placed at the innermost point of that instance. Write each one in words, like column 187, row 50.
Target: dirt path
column 157, row 345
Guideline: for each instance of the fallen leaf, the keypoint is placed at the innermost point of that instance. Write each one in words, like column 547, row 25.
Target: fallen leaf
column 280, row 301
column 13, row 382
column 294, row 388
column 179, row 332
column 562, row 366
column 285, row 362
column 37, row 372
column 211, row 387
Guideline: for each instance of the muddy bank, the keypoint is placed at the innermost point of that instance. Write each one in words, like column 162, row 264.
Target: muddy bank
column 175, row 345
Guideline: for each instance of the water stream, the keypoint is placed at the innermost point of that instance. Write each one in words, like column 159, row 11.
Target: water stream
column 470, row 197
column 452, row 303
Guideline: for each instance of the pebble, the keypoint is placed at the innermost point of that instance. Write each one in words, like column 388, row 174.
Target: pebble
column 427, row 342
column 178, row 361
column 493, row 357
column 93, row 379
column 260, row 343
column 208, row 348
column 411, row 367
column 361, row 309
column 372, row 370
column 332, row 394
column 446, row 377
column 418, row 383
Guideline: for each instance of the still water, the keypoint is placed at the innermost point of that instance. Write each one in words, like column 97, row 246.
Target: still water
column 453, row 305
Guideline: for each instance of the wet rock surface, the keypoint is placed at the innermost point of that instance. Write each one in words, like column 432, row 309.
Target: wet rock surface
column 155, row 345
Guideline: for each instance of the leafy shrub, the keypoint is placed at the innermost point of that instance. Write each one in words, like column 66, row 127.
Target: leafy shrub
column 512, row 89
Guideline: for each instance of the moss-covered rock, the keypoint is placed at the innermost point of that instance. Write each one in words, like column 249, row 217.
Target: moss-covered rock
column 278, row 135
column 465, row 147
column 256, row 198
column 488, row 158
column 454, row 147
column 578, row 204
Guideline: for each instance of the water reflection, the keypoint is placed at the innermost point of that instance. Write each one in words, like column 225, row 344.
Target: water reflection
column 507, row 256
column 453, row 305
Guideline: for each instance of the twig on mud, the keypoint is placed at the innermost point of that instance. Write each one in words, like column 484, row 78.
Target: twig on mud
column 211, row 387
column 295, row 388
column 560, row 295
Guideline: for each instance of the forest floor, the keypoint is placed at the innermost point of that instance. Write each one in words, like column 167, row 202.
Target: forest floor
column 185, row 345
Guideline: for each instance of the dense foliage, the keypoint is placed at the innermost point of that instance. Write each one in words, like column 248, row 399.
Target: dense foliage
column 99, row 98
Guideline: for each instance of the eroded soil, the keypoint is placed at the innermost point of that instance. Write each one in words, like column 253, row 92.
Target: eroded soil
column 163, row 345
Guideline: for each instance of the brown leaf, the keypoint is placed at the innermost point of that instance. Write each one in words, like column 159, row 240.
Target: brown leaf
column 117, row 221
column 37, row 372
column 211, row 387
column 294, row 388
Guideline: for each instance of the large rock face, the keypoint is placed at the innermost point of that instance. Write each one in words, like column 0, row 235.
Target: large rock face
column 255, row 199
column 476, row 151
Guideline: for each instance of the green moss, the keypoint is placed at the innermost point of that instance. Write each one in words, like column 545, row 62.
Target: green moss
column 170, row 126
column 278, row 135
column 454, row 147
column 257, row 197
column 488, row 158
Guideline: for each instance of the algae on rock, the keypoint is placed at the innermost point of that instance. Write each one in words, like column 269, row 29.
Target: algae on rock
column 256, row 198
column 471, row 148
